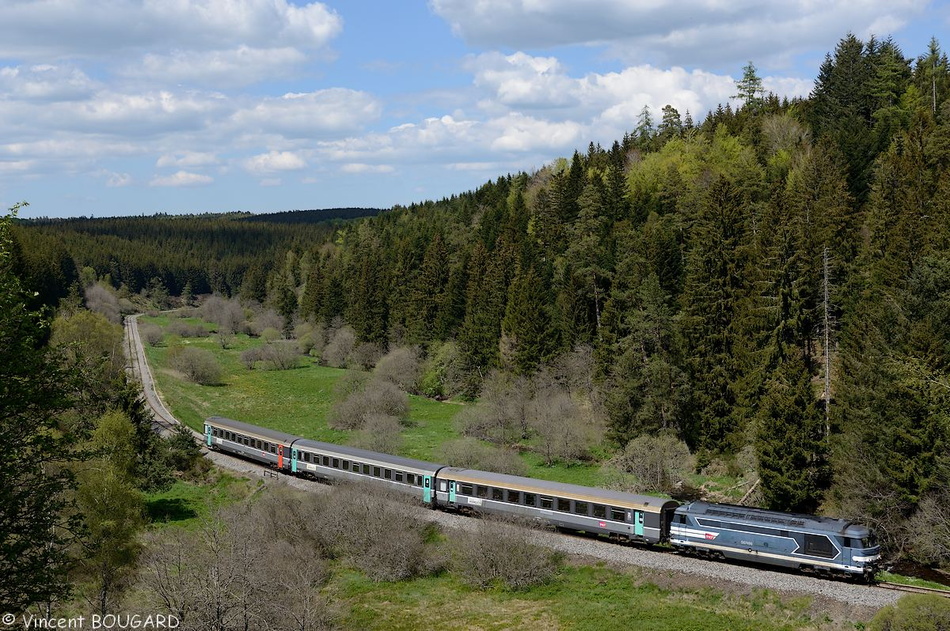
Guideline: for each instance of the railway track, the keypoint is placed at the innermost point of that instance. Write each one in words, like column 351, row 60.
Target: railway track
column 913, row 589
column 162, row 419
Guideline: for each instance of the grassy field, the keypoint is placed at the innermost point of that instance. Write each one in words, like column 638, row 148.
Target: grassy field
column 597, row 598
column 298, row 402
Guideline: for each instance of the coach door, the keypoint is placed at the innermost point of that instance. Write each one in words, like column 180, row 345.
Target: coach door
column 427, row 488
column 452, row 491
column 208, row 434
column 280, row 456
column 638, row 522
column 293, row 459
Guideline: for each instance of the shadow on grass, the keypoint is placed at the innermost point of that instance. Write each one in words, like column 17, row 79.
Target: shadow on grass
column 170, row 510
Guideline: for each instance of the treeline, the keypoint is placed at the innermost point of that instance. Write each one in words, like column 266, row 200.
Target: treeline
column 722, row 273
column 185, row 255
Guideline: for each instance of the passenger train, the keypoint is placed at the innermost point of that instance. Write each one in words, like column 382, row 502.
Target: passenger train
column 805, row 542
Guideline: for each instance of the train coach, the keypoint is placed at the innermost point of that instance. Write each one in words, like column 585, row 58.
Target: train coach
column 618, row 515
column 322, row 461
column 803, row 542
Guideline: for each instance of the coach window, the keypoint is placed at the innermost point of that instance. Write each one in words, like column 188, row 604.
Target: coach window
column 547, row 503
column 514, row 497
column 326, row 461
column 600, row 511
column 530, row 499
column 563, row 505
column 376, row 472
column 465, row 489
column 482, row 492
column 346, row 465
column 580, row 508
column 496, row 494
column 617, row 514
column 388, row 474
column 398, row 476
column 336, row 463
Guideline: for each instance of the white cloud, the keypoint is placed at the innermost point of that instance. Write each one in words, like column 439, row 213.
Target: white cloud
column 187, row 159
column 324, row 113
column 673, row 32
column 217, row 68
column 46, row 82
column 91, row 28
column 117, row 180
column 358, row 167
column 274, row 161
column 182, row 178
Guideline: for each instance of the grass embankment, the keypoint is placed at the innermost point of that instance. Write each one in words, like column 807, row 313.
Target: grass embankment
column 298, row 402
column 579, row 598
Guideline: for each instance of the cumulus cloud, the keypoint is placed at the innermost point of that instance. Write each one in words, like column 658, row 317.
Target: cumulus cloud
column 322, row 113
column 90, row 28
column 182, row 178
column 672, row 32
column 274, row 161
column 237, row 67
column 187, row 159
column 358, row 167
column 46, row 82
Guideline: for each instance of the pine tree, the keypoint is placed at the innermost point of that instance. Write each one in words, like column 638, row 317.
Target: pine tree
column 33, row 481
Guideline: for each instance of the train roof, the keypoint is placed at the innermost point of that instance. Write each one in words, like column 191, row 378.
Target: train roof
column 800, row 521
column 559, row 489
column 364, row 455
column 248, row 429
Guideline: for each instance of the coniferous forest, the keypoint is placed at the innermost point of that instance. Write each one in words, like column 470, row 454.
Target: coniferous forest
column 773, row 279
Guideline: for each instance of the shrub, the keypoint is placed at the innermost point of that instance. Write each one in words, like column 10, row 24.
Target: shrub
column 338, row 348
column 916, row 612
column 401, row 366
column 658, row 463
column 280, row 355
column 380, row 432
column 501, row 552
column 469, row 453
column 378, row 397
column 364, row 356
column 186, row 329
column 197, row 364
column 151, row 333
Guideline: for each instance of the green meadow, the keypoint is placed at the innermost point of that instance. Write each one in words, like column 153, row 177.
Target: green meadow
column 298, row 402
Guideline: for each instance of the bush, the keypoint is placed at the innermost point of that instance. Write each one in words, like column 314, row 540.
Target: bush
column 151, row 333
column 401, row 367
column 280, row 355
column 469, row 453
column 197, row 364
column 916, row 612
column 378, row 397
column 501, row 552
column 386, row 540
column 659, row 463
column 186, row 329
column 338, row 348
column 364, row 356
column 380, row 432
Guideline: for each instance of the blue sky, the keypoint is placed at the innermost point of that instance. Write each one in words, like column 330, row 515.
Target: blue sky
column 130, row 107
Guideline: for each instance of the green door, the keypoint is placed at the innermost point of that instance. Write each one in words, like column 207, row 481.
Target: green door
column 427, row 489
column 638, row 522
column 452, row 491
column 208, row 434
column 293, row 459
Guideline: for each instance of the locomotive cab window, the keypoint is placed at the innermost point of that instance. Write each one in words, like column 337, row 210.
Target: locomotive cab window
column 819, row 546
